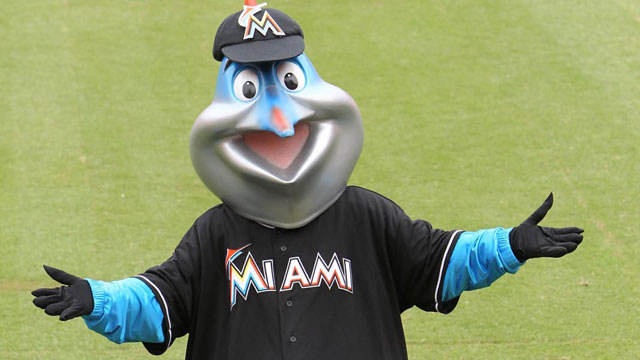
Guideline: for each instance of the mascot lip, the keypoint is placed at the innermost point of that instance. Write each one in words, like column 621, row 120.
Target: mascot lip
column 279, row 151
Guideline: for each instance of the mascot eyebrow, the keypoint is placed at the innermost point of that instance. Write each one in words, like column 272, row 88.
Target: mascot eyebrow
column 226, row 66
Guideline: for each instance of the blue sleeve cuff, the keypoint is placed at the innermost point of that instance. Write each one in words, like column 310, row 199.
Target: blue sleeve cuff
column 478, row 259
column 97, row 289
column 125, row 311
column 509, row 260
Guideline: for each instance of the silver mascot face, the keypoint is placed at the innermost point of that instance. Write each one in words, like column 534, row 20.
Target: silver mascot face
column 277, row 144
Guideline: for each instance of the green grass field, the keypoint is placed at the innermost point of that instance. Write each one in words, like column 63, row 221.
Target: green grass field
column 473, row 112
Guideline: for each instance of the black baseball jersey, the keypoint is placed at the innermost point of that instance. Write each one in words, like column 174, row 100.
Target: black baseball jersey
column 333, row 289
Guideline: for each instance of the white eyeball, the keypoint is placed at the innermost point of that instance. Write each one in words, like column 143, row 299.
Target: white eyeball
column 246, row 85
column 291, row 76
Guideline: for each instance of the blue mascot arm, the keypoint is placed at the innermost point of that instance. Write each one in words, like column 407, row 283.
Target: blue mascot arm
column 125, row 311
column 478, row 259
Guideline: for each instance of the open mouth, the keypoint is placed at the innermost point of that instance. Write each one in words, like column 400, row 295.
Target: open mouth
column 279, row 151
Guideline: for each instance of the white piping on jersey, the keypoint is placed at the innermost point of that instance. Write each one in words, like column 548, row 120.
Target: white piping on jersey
column 444, row 258
column 267, row 226
column 166, row 308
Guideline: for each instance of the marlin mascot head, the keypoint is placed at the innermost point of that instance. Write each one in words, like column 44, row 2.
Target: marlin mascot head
column 277, row 144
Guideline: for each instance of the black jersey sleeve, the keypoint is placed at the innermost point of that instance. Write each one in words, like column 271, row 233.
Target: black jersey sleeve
column 175, row 285
column 419, row 256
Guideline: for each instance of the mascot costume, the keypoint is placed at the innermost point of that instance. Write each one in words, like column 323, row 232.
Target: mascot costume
column 293, row 264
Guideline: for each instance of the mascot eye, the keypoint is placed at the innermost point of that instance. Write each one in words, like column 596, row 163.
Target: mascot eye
column 291, row 76
column 246, row 85
column 249, row 90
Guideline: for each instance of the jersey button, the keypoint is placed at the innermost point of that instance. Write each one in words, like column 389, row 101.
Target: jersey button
column 283, row 248
column 289, row 303
column 293, row 339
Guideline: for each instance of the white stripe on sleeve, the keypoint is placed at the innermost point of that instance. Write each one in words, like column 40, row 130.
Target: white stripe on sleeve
column 164, row 303
column 444, row 258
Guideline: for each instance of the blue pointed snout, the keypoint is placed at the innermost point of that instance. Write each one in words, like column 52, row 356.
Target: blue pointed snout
column 277, row 112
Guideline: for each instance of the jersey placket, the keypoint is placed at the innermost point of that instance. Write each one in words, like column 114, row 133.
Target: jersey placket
column 286, row 299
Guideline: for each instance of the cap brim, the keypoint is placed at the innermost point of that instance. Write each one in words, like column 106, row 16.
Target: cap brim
column 265, row 50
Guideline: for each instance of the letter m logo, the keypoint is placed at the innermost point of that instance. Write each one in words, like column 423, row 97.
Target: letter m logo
column 241, row 281
column 251, row 23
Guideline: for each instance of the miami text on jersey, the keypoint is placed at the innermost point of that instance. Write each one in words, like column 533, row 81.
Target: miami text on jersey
column 262, row 280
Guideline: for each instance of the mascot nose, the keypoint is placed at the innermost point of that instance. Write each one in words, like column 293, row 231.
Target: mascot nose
column 279, row 121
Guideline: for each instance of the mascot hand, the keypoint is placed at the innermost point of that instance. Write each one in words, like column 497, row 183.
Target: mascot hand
column 528, row 240
column 70, row 301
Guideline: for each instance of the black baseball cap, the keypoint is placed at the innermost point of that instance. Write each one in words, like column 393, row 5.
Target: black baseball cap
column 275, row 36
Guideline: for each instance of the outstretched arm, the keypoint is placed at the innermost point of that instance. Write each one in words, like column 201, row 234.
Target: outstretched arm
column 123, row 311
column 481, row 257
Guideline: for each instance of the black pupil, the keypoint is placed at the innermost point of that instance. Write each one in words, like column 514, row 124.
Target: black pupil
column 249, row 90
column 290, row 81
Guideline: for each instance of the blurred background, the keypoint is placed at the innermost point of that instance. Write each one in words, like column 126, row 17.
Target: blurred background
column 473, row 112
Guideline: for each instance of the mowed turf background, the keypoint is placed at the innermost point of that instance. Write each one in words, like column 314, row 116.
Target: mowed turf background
column 473, row 112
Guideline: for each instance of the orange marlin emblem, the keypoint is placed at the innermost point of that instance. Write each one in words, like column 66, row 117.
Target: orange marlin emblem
column 251, row 23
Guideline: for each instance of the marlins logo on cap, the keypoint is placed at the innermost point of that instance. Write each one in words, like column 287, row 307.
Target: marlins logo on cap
column 258, row 34
column 251, row 23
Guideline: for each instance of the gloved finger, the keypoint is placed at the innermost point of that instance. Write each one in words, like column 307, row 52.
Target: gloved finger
column 44, row 301
column 553, row 251
column 70, row 313
column 56, row 309
column 570, row 246
column 540, row 212
column 46, row 291
column 573, row 238
column 60, row 276
column 566, row 230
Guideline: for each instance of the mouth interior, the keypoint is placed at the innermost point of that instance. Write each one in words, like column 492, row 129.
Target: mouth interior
column 279, row 151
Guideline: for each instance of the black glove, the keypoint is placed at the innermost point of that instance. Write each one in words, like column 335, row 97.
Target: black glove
column 67, row 301
column 528, row 240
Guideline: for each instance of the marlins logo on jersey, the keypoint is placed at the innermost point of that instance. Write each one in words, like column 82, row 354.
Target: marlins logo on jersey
column 251, row 23
column 334, row 273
